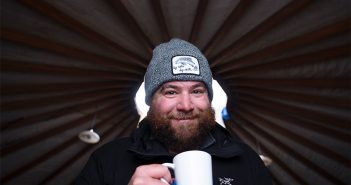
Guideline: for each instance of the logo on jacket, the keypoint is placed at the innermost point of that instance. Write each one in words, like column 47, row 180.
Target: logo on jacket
column 225, row 181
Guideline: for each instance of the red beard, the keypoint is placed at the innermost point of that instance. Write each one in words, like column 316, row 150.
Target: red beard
column 181, row 137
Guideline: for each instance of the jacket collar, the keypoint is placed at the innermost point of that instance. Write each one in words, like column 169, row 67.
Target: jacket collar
column 218, row 143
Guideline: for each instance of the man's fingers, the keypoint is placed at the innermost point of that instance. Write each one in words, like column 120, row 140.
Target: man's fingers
column 151, row 174
column 153, row 170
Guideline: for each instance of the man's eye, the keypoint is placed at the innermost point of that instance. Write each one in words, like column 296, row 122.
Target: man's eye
column 171, row 92
column 198, row 91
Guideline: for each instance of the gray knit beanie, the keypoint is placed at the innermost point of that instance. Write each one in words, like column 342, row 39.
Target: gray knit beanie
column 176, row 60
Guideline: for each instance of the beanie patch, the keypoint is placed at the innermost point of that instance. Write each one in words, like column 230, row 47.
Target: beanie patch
column 185, row 65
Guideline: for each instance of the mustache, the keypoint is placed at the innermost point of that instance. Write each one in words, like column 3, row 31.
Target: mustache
column 181, row 115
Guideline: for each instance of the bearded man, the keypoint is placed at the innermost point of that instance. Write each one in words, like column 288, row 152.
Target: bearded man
column 178, row 88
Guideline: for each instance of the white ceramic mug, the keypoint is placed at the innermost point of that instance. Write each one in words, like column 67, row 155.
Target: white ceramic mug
column 192, row 168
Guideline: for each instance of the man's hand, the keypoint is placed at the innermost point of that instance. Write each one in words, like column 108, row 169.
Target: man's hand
column 150, row 175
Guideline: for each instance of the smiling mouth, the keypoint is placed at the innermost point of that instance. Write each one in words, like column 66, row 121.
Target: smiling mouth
column 184, row 120
column 187, row 118
column 180, row 118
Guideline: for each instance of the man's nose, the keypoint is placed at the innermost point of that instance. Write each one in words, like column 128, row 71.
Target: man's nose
column 185, row 103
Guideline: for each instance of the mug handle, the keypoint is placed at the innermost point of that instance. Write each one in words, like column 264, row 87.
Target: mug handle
column 169, row 165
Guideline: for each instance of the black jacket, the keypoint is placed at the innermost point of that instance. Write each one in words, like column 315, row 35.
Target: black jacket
column 233, row 162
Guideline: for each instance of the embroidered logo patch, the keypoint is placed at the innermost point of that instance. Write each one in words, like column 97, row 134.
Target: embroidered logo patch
column 185, row 65
column 225, row 181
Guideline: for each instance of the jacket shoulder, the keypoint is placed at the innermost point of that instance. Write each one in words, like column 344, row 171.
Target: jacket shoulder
column 112, row 148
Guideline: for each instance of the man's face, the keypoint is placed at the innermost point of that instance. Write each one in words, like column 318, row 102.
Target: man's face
column 181, row 114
